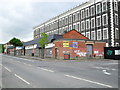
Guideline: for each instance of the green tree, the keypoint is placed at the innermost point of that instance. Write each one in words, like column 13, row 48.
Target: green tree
column 43, row 42
column 15, row 42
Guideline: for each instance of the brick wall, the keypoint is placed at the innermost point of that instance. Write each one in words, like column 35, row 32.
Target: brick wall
column 98, row 49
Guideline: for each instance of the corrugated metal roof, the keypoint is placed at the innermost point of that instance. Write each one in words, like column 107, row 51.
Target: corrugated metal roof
column 36, row 41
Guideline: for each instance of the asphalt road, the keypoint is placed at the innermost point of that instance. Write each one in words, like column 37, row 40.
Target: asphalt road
column 27, row 73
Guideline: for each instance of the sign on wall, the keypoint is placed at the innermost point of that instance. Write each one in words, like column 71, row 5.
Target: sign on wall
column 117, row 52
column 65, row 43
column 75, row 44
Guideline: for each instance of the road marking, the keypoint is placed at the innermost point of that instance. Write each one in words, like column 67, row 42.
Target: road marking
column 105, row 68
column 7, row 69
column 46, row 69
column 105, row 72
column 22, row 79
column 89, row 81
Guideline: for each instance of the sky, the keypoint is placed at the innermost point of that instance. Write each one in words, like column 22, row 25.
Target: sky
column 18, row 17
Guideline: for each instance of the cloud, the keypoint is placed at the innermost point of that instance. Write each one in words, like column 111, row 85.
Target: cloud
column 17, row 18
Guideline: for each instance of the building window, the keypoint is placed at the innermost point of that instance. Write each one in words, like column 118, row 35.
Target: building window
column 88, row 35
column 115, row 5
column 93, row 35
column 98, row 8
column 87, row 12
column 82, row 25
column 87, row 24
column 70, row 19
column 78, row 26
column 74, row 26
column 92, row 22
column 98, row 35
column 116, row 19
column 116, row 34
column 66, row 21
column 98, row 21
column 78, row 16
column 74, row 18
column 104, row 6
column 104, row 19
column 70, row 28
column 82, row 14
column 92, row 10
column 105, row 34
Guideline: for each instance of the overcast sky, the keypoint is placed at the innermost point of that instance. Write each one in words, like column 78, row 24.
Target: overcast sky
column 18, row 17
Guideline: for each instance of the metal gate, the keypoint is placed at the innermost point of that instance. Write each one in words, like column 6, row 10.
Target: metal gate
column 89, row 49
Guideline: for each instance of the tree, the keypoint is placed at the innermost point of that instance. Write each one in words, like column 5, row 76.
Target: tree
column 15, row 42
column 43, row 42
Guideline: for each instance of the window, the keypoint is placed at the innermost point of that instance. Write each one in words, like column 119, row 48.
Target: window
column 78, row 16
column 82, row 14
column 115, row 5
column 98, row 35
column 98, row 8
column 74, row 18
column 93, row 23
column 92, row 10
column 116, row 19
column 88, row 35
column 105, row 34
column 98, row 21
column 93, row 35
column 66, row 21
column 116, row 33
column 87, row 24
column 74, row 26
column 104, row 19
column 104, row 6
column 70, row 19
column 70, row 28
column 78, row 26
column 82, row 25
column 87, row 12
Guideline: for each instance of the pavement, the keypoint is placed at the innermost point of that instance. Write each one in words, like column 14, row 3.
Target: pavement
column 29, row 73
column 53, row 59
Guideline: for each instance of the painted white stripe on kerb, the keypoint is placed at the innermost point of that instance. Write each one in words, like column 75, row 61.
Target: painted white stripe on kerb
column 22, row 79
column 89, row 81
column 7, row 69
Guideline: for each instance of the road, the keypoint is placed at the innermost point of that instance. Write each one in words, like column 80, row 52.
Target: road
column 26, row 73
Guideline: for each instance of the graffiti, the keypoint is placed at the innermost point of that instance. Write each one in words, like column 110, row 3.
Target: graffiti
column 109, row 52
column 78, row 52
column 66, row 51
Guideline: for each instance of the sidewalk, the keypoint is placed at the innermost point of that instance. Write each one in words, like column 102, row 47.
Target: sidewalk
column 53, row 59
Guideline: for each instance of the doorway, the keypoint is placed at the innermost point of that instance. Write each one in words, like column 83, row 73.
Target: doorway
column 56, row 53
column 89, row 49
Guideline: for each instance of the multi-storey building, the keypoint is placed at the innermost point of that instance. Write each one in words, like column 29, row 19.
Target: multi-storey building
column 95, row 19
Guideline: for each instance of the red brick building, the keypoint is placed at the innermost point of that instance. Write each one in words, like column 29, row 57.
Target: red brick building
column 76, row 45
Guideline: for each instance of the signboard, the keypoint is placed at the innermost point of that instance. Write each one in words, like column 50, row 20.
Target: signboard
column 50, row 45
column 117, row 52
column 75, row 44
column 65, row 43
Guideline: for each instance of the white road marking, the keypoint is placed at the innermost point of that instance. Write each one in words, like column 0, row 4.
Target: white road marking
column 7, row 69
column 22, row 79
column 105, row 68
column 46, row 69
column 105, row 72
column 89, row 81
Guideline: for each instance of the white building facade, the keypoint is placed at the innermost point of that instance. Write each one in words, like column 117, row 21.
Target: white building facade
column 97, row 20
